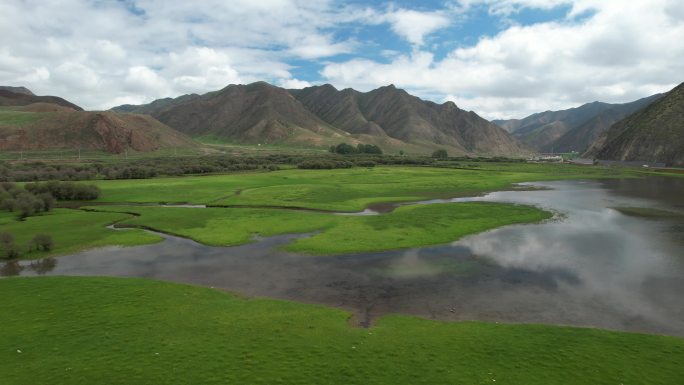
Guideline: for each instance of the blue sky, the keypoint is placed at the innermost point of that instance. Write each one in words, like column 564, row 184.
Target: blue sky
column 500, row 58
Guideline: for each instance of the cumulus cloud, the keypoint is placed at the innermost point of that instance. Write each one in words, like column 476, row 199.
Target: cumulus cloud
column 293, row 83
column 623, row 51
column 414, row 25
column 99, row 54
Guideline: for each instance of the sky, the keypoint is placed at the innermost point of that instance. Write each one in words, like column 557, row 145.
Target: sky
column 499, row 58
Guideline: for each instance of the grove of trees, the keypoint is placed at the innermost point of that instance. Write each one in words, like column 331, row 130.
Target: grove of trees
column 348, row 149
column 440, row 154
column 35, row 198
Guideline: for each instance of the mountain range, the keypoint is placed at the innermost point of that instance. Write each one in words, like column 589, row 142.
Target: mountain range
column 574, row 129
column 649, row 129
column 322, row 116
column 652, row 134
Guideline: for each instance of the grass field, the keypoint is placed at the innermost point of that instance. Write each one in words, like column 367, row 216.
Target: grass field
column 343, row 190
column 71, row 231
column 76, row 330
column 408, row 226
column 10, row 116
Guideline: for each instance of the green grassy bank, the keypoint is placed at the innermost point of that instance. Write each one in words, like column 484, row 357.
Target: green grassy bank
column 71, row 231
column 408, row 226
column 341, row 189
column 69, row 330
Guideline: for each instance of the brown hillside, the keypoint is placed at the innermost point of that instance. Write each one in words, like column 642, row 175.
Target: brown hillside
column 322, row 115
column 9, row 98
column 106, row 131
column 653, row 134
column 392, row 112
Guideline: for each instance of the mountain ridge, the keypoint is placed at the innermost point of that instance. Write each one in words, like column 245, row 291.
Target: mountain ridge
column 652, row 134
column 322, row 116
column 11, row 98
column 573, row 129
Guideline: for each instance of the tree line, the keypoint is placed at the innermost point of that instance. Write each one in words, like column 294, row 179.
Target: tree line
column 363, row 155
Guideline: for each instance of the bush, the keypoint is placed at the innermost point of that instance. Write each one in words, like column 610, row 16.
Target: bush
column 345, row 149
column 41, row 242
column 9, row 249
column 368, row 149
column 65, row 191
column 28, row 204
column 440, row 154
column 324, row 164
column 48, row 201
column 366, row 163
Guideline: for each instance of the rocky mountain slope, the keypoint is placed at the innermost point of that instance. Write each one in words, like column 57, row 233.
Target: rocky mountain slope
column 573, row 129
column 653, row 134
column 323, row 115
column 254, row 113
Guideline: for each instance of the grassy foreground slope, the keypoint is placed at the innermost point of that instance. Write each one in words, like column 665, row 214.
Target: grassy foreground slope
column 77, row 330
column 409, row 226
column 342, row 189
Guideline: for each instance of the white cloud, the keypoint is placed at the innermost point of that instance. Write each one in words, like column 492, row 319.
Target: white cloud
column 96, row 53
column 293, row 83
column 316, row 46
column 141, row 78
column 624, row 51
column 414, row 26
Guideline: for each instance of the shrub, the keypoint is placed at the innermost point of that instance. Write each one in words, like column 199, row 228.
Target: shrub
column 28, row 204
column 345, row 149
column 41, row 242
column 366, row 163
column 440, row 154
column 368, row 149
column 9, row 249
column 65, row 191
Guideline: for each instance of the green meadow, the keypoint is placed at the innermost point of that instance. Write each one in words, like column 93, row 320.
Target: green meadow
column 87, row 330
column 72, row 231
column 12, row 116
column 341, row 189
column 407, row 226
column 255, row 203
column 78, row 330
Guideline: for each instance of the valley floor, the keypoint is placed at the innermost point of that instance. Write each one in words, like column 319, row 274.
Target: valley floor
column 256, row 204
column 81, row 330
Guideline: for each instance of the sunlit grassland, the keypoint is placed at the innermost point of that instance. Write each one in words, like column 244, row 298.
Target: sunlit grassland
column 409, row 226
column 78, row 330
column 71, row 231
column 343, row 190
column 263, row 193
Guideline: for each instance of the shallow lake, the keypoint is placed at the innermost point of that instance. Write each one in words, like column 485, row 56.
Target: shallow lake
column 591, row 266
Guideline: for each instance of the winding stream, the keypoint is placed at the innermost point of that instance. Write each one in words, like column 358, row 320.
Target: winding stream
column 593, row 267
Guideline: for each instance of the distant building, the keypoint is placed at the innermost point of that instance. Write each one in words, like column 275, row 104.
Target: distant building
column 546, row 158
